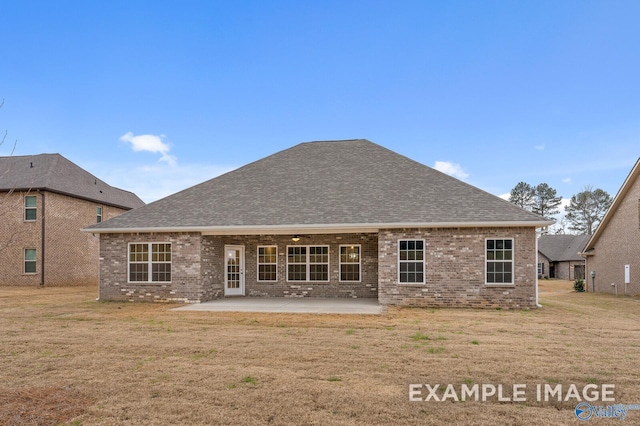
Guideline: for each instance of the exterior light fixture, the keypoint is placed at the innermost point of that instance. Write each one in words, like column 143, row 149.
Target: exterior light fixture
column 295, row 238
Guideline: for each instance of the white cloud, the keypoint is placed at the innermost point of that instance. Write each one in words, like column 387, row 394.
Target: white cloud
column 452, row 169
column 505, row 196
column 150, row 143
column 566, row 180
column 539, row 147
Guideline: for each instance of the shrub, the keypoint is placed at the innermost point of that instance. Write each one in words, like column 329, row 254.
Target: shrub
column 579, row 285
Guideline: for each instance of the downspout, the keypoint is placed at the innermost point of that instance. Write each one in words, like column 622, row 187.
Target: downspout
column 42, row 244
column 536, row 270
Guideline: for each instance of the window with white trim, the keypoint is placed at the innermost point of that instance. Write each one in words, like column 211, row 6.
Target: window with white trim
column 150, row 268
column 30, row 261
column 411, row 261
column 350, row 263
column 541, row 268
column 308, row 263
column 30, row 208
column 499, row 258
column 267, row 263
column 98, row 214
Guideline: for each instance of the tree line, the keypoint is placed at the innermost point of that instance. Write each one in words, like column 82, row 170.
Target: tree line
column 583, row 214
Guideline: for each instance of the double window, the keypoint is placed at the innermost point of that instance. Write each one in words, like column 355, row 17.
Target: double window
column 350, row 263
column 30, row 207
column 150, row 262
column 499, row 258
column 267, row 263
column 411, row 261
column 308, row 263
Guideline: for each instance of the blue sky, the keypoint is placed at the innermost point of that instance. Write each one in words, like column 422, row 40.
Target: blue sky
column 157, row 96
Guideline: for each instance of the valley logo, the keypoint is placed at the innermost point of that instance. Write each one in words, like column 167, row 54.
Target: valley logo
column 586, row 411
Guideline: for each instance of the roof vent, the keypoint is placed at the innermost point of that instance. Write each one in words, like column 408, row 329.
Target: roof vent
column 31, row 165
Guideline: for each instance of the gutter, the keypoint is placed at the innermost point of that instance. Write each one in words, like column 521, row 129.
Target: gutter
column 43, row 244
column 314, row 228
column 72, row 195
column 536, row 269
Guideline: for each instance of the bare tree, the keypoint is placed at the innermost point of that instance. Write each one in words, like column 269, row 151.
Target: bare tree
column 4, row 136
column 7, row 196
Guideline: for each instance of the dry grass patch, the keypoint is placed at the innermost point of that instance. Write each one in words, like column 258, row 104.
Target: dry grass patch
column 41, row 406
column 146, row 364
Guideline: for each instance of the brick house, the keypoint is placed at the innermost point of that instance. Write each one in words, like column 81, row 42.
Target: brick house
column 613, row 250
column 325, row 219
column 45, row 201
column 559, row 256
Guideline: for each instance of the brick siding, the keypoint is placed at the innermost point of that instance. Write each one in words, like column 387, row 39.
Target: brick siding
column 455, row 265
column 366, row 288
column 198, row 268
column 454, row 269
column 617, row 246
column 185, row 285
column 71, row 256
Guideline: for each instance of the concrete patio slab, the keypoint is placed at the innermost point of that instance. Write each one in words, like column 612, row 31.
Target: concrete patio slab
column 288, row 305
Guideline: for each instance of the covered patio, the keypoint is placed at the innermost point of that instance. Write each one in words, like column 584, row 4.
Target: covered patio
column 294, row 305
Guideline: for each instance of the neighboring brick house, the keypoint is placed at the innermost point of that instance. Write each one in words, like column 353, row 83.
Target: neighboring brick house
column 325, row 219
column 45, row 201
column 613, row 251
column 559, row 256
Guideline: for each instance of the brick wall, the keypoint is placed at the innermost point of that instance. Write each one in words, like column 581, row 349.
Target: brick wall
column 71, row 256
column 617, row 246
column 367, row 288
column 566, row 270
column 455, row 265
column 16, row 235
column 198, row 268
column 185, row 285
column 545, row 261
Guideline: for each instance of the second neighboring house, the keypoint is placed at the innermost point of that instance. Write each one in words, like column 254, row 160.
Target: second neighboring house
column 613, row 252
column 325, row 219
column 559, row 256
column 45, row 201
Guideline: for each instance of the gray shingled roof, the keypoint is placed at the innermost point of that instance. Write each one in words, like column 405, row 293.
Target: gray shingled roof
column 562, row 248
column 328, row 184
column 53, row 172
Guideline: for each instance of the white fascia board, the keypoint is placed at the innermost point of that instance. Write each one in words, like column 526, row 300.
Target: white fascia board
column 316, row 228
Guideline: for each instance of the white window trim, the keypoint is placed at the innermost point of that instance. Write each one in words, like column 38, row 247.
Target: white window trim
column 308, row 264
column 149, row 263
column 424, row 261
column 24, row 261
column 350, row 263
column 30, row 208
column 268, row 263
column 513, row 263
column 99, row 214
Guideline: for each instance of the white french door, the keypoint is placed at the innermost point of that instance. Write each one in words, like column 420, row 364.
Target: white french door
column 234, row 270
